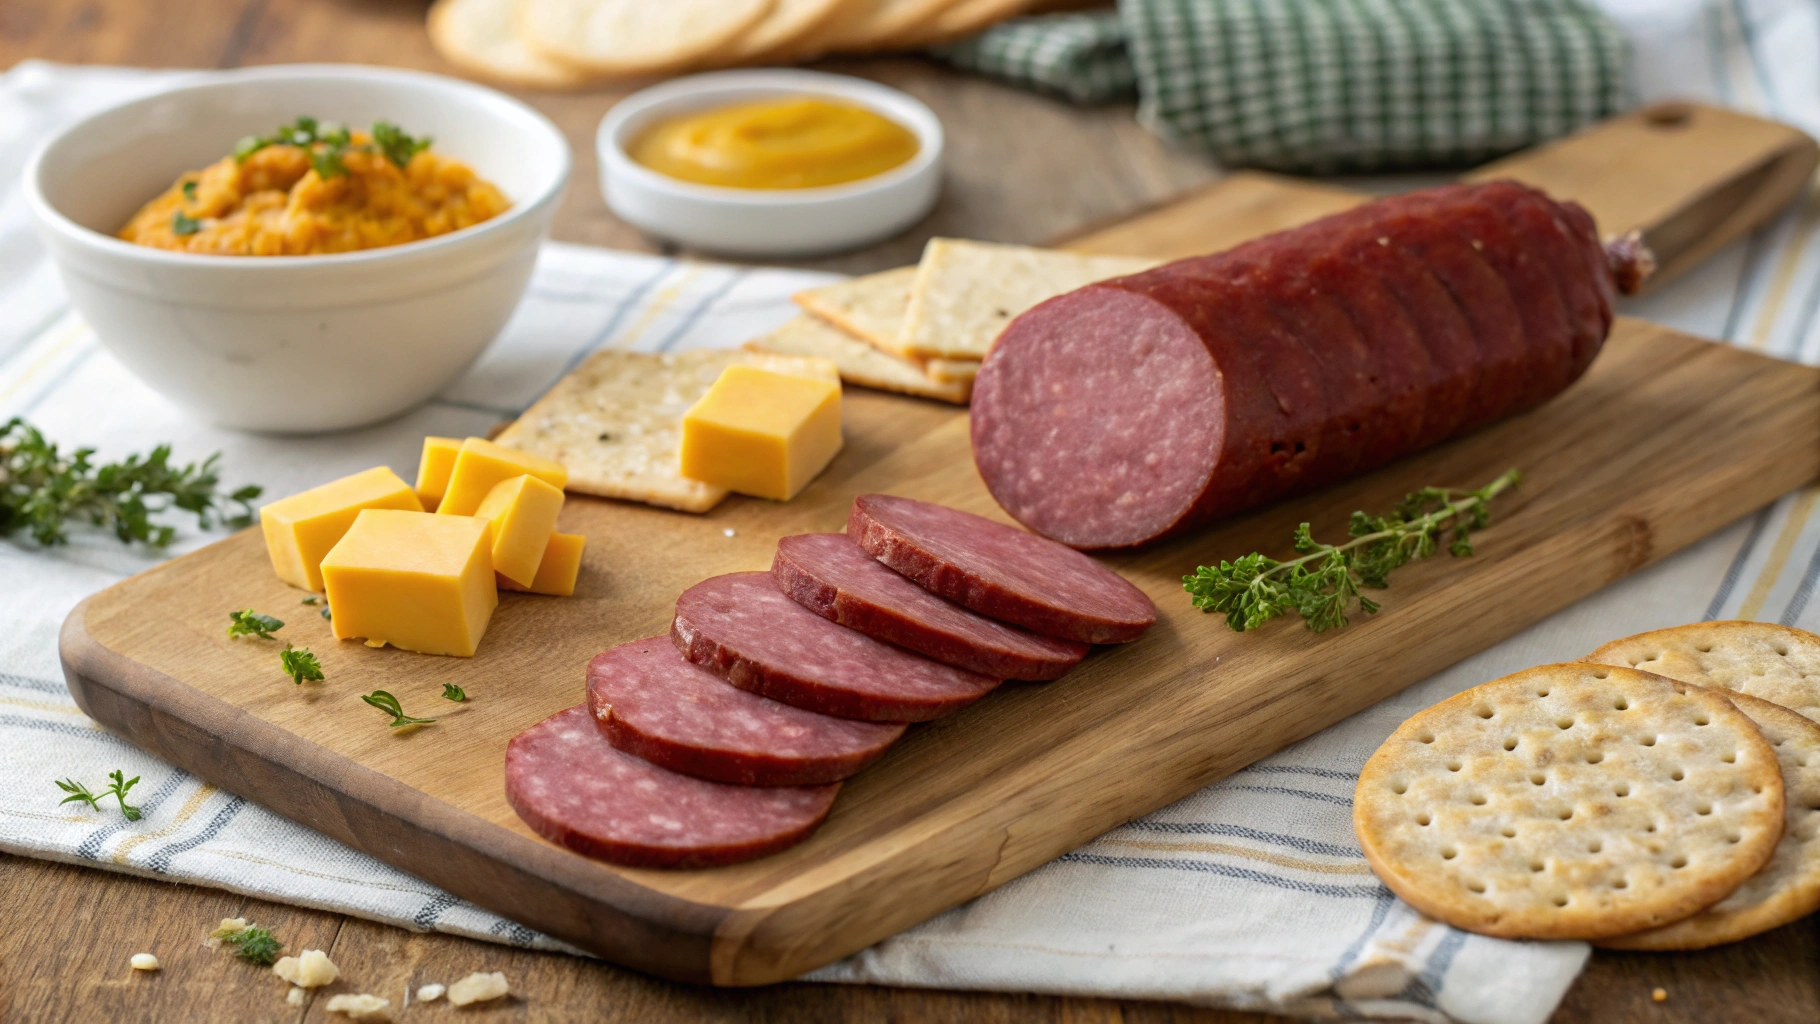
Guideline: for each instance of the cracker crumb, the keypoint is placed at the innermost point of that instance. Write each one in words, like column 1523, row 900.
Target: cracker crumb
column 361, row 1007
column 295, row 996
column 312, row 969
column 145, row 962
column 478, row 987
column 228, row 926
column 430, row 993
column 1660, row 995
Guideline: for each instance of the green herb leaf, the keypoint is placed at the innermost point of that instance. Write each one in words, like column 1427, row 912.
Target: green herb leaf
column 327, row 162
column 452, row 692
column 189, row 191
column 389, row 704
column 325, row 611
column 42, row 488
column 312, row 599
column 1326, row 580
column 252, row 943
column 251, row 623
column 183, row 225
column 78, row 793
column 300, row 664
column 396, row 145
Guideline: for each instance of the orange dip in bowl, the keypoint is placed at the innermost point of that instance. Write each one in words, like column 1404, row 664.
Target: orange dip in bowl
column 789, row 143
column 311, row 189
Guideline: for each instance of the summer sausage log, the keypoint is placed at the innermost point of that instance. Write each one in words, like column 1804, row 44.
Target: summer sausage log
column 1140, row 407
column 743, row 629
column 1000, row 571
column 831, row 576
column 575, row 789
column 652, row 703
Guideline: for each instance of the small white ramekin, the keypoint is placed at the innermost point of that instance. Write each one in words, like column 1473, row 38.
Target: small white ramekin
column 295, row 344
column 767, row 222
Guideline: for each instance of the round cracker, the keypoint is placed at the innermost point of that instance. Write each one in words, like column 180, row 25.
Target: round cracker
column 1570, row 802
column 878, row 24
column 1761, row 659
column 789, row 22
column 481, row 37
column 962, row 20
column 635, row 37
column 1788, row 887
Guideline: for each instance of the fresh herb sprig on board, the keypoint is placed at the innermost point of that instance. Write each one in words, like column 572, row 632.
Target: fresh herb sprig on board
column 389, row 704
column 252, row 943
column 42, row 488
column 251, row 623
column 300, row 665
column 1327, row 579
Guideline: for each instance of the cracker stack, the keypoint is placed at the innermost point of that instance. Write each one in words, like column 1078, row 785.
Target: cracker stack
column 923, row 330
column 1640, row 799
column 570, row 44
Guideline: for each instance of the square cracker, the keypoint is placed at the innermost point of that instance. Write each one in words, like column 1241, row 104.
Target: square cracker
column 966, row 292
column 859, row 362
column 616, row 421
column 870, row 308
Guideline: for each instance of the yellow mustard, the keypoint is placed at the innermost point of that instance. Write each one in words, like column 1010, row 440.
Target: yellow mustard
column 799, row 142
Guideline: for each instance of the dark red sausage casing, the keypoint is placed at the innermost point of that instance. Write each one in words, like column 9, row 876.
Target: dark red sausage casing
column 1137, row 408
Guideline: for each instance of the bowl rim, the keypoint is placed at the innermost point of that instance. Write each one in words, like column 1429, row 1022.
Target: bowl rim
column 690, row 90
column 478, row 97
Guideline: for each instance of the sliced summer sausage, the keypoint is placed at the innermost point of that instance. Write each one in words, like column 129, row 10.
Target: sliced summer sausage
column 1131, row 410
column 575, row 789
column 1001, row 571
column 831, row 576
column 651, row 702
column 743, row 629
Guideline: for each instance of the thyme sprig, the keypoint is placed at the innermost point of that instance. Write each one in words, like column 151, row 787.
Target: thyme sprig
column 43, row 487
column 252, row 943
column 251, row 623
column 1327, row 579
column 300, row 664
column 389, row 704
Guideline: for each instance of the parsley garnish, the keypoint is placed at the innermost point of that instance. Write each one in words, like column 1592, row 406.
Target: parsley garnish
column 455, row 693
column 78, row 793
column 42, row 488
column 328, row 143
column 251, row 623
column 252, row 943
column 312, row 599
column 189, row 191
column 389, row 704
column 1256, row 589
column 184, row 225
column 300, row 664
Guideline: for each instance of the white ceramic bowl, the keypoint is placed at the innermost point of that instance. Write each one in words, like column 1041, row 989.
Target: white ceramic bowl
column 767, row 222
column 295, row 344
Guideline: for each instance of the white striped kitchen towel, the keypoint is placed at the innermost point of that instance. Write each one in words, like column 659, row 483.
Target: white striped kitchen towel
column 1251, row 893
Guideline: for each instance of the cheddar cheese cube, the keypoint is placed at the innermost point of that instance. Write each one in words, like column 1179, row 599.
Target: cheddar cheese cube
column 762, row 433
column 523, row 512
column 300, row 529
column 482, row 465
column 418, row 581
column 433, row 469
column 557, row 572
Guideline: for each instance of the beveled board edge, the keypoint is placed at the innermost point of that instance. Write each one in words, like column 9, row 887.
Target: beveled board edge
column 533, row 883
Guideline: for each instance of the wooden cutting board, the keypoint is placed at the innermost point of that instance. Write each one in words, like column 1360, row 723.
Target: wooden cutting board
column 1667, row 439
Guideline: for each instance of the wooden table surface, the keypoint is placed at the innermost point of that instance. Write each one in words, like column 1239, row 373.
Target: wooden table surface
column 1020, row 168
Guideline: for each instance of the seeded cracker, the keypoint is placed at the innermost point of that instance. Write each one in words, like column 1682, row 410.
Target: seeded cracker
column 1788, row 887
column 1762, row 659
column 966, row 292
column 616, row 421
column 859, row 362
column 870, row 308
column 1570, row 802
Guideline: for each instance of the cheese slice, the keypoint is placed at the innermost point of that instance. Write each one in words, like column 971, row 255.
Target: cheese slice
column 418, row 581
column 762, row 433
column 482, row 465
column 523, row 511
column 433, row 469
column 300, row 529
column 557, row 572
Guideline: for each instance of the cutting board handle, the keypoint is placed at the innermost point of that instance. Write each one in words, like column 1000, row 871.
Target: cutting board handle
column 1691, row 178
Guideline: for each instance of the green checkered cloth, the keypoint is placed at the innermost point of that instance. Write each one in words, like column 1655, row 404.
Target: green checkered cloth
column 1322, row 86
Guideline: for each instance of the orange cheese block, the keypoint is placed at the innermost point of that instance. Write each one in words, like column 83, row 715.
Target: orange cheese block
column 762, row 433
column 560, row 567
column 415, row 580
column 433, row 469
column 523, row 512
column 482, row 465
column 300, row 529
